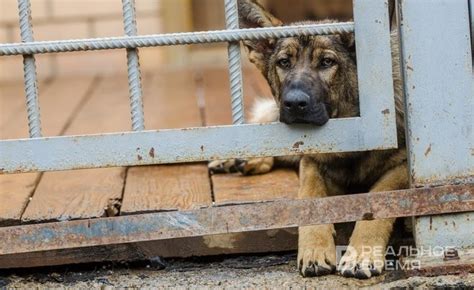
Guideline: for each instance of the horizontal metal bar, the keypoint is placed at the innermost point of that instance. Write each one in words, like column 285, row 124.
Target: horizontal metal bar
column 184, row 145
column 172, row 38
column 235, row 218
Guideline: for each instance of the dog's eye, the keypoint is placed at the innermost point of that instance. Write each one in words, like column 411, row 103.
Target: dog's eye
column 327, row 62
column 284, row 63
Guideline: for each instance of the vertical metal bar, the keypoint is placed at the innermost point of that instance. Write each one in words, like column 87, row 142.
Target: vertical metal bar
column 438, row 88
column 471, row 18
column 133, row 63
column 235, row 66
column 29, row 68
column 374, row 68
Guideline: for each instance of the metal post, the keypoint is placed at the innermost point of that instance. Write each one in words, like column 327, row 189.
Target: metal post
column 133, row 63
column 439, row 89
column 29, row 68
column 235, row 66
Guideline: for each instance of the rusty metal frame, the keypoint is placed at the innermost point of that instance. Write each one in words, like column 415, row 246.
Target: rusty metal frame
column 235, row 218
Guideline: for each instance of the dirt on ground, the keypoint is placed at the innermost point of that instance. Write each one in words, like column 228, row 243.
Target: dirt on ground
column 269, row 271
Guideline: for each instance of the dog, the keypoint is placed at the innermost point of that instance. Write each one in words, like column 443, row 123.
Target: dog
column 313, row 79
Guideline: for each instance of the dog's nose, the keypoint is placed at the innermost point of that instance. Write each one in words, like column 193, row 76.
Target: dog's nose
column 296, row 101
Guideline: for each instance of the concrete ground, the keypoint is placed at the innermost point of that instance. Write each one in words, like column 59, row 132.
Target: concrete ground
column 270, row 271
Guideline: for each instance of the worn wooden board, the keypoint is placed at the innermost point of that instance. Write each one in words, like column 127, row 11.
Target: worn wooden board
column 170, row 102
column 12, row 102
column 86, row 193
column 16, row 189
column 235, row 188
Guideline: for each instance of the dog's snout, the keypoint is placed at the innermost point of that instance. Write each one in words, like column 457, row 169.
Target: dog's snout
column 296, row 101
column 298, row 107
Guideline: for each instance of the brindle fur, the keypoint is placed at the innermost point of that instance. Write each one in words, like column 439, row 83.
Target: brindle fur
column 326, row 174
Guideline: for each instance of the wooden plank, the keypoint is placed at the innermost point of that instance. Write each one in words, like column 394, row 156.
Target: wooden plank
column 16, row 189
column 93, row 192
column 170, row 102
column 235, row 188
column 12, row 101
column 166, row 187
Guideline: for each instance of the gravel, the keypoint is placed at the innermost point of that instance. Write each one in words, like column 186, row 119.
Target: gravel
column 269, row 271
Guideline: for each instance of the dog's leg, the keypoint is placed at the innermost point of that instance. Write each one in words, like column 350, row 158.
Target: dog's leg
column 263, row 111
column 316, row 248
column 365, row 256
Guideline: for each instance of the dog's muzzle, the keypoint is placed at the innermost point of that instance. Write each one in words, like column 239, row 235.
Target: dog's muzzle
column 298, row 107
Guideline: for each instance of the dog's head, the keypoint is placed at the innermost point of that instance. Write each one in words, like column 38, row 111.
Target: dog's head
column 313, row 78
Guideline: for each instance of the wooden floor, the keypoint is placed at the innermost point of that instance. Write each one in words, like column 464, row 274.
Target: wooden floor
column 96, row 104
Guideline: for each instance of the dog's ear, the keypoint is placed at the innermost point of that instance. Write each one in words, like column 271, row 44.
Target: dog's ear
column 253, row 15
column 348, row 40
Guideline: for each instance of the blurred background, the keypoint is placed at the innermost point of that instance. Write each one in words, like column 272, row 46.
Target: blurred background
column 68, row 19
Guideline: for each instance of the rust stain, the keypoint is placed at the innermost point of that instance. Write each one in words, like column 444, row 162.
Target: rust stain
column 368, row 216
column 152, row 152
column 386, row 111
column 428, row 150
column 228, row 218
column 298, row 144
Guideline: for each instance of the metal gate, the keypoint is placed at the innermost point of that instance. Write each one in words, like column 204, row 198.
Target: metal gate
column 438, row 82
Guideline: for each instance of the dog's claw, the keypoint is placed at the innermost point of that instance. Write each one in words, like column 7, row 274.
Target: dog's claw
column 312, row 263
column 246, row 167
column 222, row 166
column 360, row 265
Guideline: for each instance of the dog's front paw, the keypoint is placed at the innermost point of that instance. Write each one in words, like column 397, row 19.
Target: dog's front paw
column 316, row 250
column 222, row 166
column 316, row 261
column 362, row 262
column 246, row 167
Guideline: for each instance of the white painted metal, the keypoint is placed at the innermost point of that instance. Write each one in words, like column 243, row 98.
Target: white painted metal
column 437, row 66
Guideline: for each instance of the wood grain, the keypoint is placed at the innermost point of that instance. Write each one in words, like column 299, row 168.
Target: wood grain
column 166, row 187
column 235, row 188
column 170, row 102
column 16, row 189
column 86, row 193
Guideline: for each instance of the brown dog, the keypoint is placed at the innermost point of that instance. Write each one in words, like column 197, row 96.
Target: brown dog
column 313, row 79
